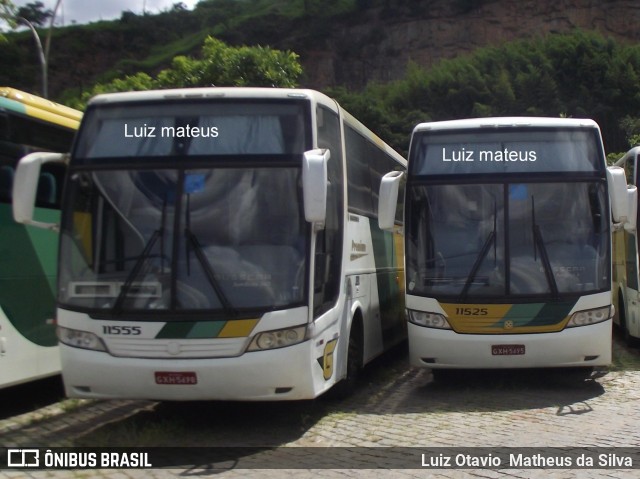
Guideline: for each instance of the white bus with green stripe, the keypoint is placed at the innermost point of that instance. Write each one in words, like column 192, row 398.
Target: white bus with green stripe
column 222, row 243
column 508, row 243
column 626, row 276
column 28, row 344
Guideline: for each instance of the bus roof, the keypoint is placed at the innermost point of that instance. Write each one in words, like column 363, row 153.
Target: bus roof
column 502, row 122
column 210, row 92
column 35, row 107
column 243, row 93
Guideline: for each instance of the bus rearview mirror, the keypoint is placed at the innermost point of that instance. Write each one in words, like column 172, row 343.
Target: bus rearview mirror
column 619, row 198
column 388, row 199
column 25, row 187
column 632, row 219
column 314, row 185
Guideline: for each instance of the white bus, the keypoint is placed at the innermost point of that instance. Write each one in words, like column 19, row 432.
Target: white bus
column 508, row 243
column 626, row 293
column 221, row 243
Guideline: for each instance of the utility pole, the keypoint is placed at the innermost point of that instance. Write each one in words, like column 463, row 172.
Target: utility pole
column 41, row 56
column 43, row 53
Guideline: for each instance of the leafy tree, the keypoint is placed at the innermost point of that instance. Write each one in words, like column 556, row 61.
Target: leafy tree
column 631, row 127
column 179, row 7
column 35, row 13
column 248, row 66
column 578, row 75
column 219, row 65
column 8, row 14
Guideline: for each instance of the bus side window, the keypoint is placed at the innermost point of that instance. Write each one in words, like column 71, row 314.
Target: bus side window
column 46, row 194
column 6, row 183
column 329, row 241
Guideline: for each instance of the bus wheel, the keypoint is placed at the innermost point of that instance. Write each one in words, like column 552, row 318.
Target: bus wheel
column 347, row 386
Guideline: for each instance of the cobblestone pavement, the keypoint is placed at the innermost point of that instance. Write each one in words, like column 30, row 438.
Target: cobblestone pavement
column 395, row 406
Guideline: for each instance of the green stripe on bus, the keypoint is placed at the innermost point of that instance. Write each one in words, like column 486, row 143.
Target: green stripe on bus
column 552, row 313
column 537, row 314
column 176, row 330
column 206, row 329
column 27, row 283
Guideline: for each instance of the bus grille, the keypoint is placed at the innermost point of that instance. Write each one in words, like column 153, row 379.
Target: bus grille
column 176, row 348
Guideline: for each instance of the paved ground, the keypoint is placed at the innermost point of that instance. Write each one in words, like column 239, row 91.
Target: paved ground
column 397, row 408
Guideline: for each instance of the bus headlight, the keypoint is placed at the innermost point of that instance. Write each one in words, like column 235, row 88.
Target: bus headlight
column 429, row 320
column 80, row 339
column 590, row 316
column 279, row 338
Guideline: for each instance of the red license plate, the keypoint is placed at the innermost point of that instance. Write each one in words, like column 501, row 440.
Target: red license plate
column 177, row 378
column 507, row 349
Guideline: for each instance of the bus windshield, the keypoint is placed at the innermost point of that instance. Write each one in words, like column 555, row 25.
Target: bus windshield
column 190, row 207
column 495, row 214
column 508, row 239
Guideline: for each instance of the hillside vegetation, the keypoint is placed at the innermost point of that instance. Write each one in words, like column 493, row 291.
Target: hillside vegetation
column 580, row 73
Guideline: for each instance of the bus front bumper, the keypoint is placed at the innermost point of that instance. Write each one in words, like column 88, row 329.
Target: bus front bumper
column 584, row 346
column 279, row 374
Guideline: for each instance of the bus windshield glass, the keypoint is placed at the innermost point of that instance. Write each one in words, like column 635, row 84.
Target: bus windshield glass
column 496, row 216
column 507, row 240
column 176, row 235
column 523, row 151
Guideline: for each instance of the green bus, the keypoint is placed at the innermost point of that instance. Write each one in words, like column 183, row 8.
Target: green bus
column 28, row 344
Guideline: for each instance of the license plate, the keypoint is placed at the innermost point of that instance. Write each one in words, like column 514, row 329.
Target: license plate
column 176, row 378
column 507, row 349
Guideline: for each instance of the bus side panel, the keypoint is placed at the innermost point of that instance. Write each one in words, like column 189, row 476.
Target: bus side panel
column 22, row 360
column 631, row 291
column 27, row 299
column 27, row 276
column 375, row 284
column 362, row 285
column 389, row 256
column 625, row 293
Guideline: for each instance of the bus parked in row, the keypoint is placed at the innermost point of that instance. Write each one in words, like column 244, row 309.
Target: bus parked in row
column 28, row 257
column 626, row 293
column 221, row 243
column 508, row 242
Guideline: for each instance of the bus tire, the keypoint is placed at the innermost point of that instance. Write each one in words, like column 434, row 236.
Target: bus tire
column 346, row 387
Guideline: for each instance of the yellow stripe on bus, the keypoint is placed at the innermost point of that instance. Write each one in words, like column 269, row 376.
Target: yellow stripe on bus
column 44, row 109
column 239, row 328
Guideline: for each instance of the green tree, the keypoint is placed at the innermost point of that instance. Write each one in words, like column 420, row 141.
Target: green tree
column 35, row 13
column 581, row 75
column 219, row 65
column 8, row 14
column 247, row 66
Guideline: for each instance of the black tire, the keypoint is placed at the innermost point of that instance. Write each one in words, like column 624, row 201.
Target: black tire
column 347, row 386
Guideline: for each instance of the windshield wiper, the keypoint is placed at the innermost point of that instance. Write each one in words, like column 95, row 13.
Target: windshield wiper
column 137, row 267
column 204, row 262
column 208, row 271
column 491, row 239
column 538, row 243
column 124, row 290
